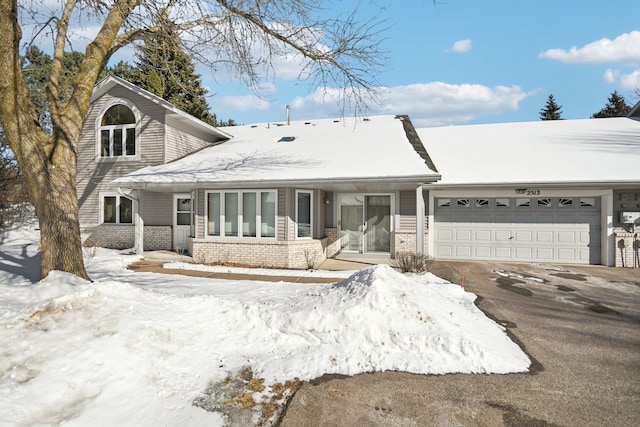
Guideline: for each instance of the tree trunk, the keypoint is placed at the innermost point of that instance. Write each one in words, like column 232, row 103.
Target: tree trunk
column 57, row 210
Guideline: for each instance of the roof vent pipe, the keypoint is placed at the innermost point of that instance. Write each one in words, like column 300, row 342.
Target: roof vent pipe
column 288, row 115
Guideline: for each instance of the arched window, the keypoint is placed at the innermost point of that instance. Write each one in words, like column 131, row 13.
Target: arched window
column 118, row 132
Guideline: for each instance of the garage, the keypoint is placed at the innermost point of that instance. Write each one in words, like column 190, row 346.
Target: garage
column 528, row 229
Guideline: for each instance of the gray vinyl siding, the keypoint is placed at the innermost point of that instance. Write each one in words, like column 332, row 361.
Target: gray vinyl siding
column 200, row 212
column 157, row 208
column 407, row 210
column 283, row 213
column 328, row 210
column 318, row 214
column 181, row 140
column 625, row 200
column 94, row 177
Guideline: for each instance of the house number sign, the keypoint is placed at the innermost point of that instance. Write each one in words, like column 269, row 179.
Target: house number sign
column 528, row 192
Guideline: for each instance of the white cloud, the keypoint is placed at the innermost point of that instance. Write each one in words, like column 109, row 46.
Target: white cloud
column 629, row 81
column 461, row 46
column 241, row 103
column 428, row 104
column 624, row 49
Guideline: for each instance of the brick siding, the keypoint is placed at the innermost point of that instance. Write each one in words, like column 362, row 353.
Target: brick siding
column 267, row 253
column 114, row 236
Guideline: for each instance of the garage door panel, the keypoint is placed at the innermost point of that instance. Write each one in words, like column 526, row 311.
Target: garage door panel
column 567, row 237
column 463, row 235
column 482, row 235
column 444, row 234
column 567, row 255
column 483, row 252
column 544, row 254
column 512, row 229
column 523, row 253
column 524, row 236
column 503, row 235
column 545, row 236
column 503, row 253
column 463, row 251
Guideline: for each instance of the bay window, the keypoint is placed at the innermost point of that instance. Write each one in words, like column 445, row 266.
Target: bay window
column 241, row 213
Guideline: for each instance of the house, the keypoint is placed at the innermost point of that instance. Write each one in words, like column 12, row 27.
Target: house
column 545, row 191
column 291, row 194
column 274, row 194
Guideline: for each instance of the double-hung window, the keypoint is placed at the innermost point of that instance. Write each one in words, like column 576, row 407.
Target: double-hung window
column 118, row 132
column 116, row 209
column 247, row 213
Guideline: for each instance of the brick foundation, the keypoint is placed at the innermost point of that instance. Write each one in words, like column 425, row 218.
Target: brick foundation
column 292, row 254
column 114, row 236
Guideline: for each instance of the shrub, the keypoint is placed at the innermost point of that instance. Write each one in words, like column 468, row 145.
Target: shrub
column 411, row 262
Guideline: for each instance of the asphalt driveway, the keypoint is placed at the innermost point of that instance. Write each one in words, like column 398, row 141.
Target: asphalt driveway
column 580, row 326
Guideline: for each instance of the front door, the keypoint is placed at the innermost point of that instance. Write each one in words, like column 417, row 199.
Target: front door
column 365, row 223
column 182, row 214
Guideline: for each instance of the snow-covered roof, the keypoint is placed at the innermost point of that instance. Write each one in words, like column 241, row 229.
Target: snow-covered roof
column 346, row 151
column 104, row 85
column 558, row 151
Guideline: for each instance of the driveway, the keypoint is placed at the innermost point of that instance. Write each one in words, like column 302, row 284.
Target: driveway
column 579, row 325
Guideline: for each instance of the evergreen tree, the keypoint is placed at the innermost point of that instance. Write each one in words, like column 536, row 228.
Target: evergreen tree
column 616, row 107
column 166, row 70
column 36, row 67
column 551, row 110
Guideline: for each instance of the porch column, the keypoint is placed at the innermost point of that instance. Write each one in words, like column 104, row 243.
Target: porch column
column 419, row 221
column 608, row 240
column 139, row 234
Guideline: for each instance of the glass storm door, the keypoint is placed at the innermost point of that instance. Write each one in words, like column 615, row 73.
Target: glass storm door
column 182, row 218
column 365, row 223
column 377, row 234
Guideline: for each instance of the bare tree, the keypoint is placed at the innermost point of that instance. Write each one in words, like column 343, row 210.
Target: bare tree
column 245, row 36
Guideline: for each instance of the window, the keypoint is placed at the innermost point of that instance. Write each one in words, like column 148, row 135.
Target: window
column 117, row 209
column 544, row 203
column 502, row 203
column 523, row 203
column 481, row 203
column 587, row 202
column 241, row 213
column 118, row 132
column 463, row 203
column 564, row 202
column 303, row 213
column 444, row 203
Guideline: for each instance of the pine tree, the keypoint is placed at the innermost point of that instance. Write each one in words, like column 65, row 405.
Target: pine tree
column 616, row 107
column 551, row 110
column 166, row 70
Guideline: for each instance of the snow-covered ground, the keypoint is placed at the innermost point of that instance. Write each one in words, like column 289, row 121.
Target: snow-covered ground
column 139, row 348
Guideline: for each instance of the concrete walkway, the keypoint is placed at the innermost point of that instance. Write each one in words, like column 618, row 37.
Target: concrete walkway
column 154, row 261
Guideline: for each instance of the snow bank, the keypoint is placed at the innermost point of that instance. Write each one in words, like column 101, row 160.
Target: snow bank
column 137, row 348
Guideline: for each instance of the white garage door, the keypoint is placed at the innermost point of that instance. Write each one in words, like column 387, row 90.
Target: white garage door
column 532, row 229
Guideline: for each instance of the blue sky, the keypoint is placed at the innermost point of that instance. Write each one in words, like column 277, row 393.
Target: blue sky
column 467, row 62
column 458, row 62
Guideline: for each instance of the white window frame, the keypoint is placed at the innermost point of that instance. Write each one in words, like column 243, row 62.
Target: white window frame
column 118, row 196
column 240, row 212
column 99, row 128
column 310, row 193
